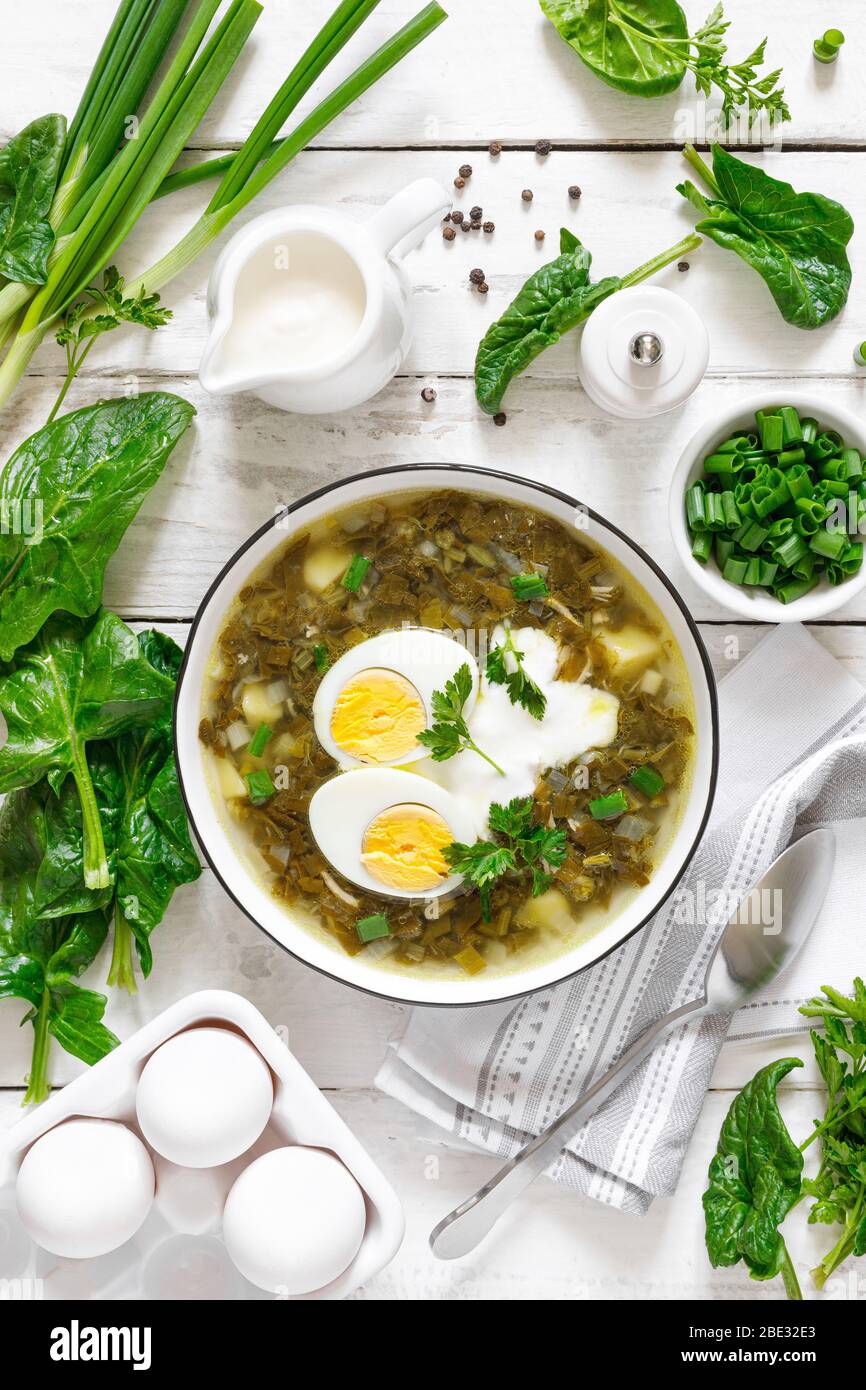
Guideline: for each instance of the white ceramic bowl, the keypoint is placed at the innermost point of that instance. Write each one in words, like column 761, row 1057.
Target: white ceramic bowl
column 755, row 603
column 253, row 897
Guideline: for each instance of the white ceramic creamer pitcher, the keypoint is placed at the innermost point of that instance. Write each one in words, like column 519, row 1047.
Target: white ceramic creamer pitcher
column 311, row 310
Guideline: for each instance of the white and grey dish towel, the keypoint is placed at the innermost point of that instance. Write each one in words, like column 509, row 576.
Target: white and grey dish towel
column 793, row 756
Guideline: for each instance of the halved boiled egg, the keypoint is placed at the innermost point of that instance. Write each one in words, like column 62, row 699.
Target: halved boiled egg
column 372, row 704
column 385, row 830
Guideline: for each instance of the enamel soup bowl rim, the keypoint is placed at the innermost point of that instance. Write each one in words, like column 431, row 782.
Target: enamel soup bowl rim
column 253, row 897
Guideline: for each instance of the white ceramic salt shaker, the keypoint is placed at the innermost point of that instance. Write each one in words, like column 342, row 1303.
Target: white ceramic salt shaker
column 643, row 352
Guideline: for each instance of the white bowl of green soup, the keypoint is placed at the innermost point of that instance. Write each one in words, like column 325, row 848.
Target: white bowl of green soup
column 446, row 735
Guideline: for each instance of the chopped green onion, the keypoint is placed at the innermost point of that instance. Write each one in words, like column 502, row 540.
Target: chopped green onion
column 320, row 657
column 529, row 586
column 771, row 517
column 792, row 549
column 826, row 49
column 735, row 569
column 793, row 589
column 607, row 807
column 702, row 546
column 259, row 786
column 354, row 576
column 829, row 544
column 696, row 517
column 373, row 928
column 772, row 433
column 792, row 430
column 259, row 740
column 731, row 511
column 647, row 779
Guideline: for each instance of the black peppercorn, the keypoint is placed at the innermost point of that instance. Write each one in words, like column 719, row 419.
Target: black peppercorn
column 526, row 195
column 475, row 225
column 495, row 148
column 543, row 147
column 449, row 233
column 476, row 277
column 500, row 418
column 574, row 192
column 682, row 265
column 490, row 226
column 467, row 225
column 476, row 212
column 465, row 171
column 457, row 217
column 483, row 287
column 428, row 394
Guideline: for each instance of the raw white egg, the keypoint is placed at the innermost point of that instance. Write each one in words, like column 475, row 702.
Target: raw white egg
column 204, row 1097
column 84, row 1188
column 371, row 705
column 578, row 717
column 384, row 828
column 294, row 1220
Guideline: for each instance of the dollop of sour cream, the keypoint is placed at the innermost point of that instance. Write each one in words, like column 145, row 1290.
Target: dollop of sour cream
column 578, row 717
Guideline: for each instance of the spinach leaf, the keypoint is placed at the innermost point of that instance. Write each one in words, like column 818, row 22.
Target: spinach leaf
column 795, row 241
column 29, row 166
column 154, row 851
column 41, row 958
column 754, row 1180
column 78, row 681
column 555, row 299
column 67, row 496
column 627, row 57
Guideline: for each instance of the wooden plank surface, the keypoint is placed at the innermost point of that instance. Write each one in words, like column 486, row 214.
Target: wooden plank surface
column 242, row 460
column 339, row 1034
column 551, row 1245
column 629, row 212
column 495, row 69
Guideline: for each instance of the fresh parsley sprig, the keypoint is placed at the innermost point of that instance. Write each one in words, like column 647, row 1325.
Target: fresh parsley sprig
column 839, row 1187
column 81, row 326
column 449, row 733
column 521, row 688
column 523, row 847
column 704, row 53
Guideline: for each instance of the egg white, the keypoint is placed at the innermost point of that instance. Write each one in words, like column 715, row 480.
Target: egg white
column 424, row 657
column 342, row 809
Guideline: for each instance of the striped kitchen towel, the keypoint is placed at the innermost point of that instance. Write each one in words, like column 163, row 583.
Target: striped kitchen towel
column 793, row 756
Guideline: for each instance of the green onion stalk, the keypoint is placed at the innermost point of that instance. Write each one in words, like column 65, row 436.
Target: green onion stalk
column 91, row 228
column 246, row 176
column 125, row 67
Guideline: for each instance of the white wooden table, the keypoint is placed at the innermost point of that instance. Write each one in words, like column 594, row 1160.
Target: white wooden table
column 496, row 70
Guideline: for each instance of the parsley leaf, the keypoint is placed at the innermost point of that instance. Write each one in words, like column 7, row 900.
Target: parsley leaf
column 449, row 733
column 530, row 848
column 81, row 326
column 522, row 689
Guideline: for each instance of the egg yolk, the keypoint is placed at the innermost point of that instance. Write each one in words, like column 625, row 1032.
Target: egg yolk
column 403, row 848
column 377, row 716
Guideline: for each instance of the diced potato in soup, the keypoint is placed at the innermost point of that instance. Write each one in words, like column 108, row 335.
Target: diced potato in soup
column 632, row 649
column 257, row 708
column 324, row 565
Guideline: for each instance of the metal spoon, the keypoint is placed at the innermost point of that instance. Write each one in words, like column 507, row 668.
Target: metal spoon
column 749, row 954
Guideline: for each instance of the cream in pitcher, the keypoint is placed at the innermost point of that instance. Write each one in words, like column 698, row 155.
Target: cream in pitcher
column 311, row 310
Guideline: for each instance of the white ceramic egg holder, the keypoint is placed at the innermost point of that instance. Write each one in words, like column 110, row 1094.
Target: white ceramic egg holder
column 300, row 1115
